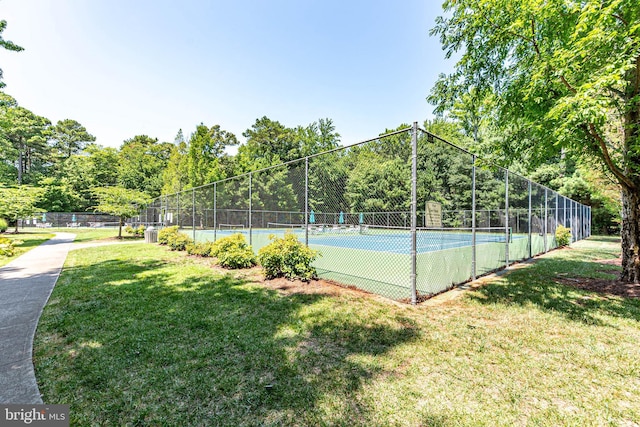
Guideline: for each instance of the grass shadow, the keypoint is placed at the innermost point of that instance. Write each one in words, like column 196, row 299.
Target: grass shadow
column 151, row 342
column 541, row 285
column 606, row 239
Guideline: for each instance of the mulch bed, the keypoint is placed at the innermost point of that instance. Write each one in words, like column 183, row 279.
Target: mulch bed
column 605, row 286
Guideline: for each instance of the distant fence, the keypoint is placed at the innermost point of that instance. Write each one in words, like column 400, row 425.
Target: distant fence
column 69, row 219
column 404, row 215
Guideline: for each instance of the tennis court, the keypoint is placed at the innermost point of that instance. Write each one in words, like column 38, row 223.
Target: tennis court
column 378, row 259
column 395, row 240
column 357, row 204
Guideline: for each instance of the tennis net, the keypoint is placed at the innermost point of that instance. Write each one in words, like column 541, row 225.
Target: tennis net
column 284, row 226
column 482, row 234
column 224, row 227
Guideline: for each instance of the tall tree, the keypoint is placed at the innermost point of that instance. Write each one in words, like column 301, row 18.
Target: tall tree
column 24, row 135
column 205, row 151
column 141, row 162
column 268, row 140
column 317, row 137
column 94, row 168
column 560, row 76
column 58, row 196
column 174, row 177
column 9, row 45
column 69, row 137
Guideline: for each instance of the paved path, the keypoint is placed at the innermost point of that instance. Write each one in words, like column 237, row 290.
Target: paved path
column 25, row 286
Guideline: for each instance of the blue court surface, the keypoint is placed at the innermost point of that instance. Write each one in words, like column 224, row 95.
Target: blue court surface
column 379, row 240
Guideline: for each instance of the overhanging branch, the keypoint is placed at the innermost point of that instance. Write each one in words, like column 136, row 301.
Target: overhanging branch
column 615, row 170
column 620, row 18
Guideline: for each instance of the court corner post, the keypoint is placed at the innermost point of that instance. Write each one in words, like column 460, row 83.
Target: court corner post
column 306, row 201
column 473, row 218
column 193, row 213
column 414, row 210
column 250, row 208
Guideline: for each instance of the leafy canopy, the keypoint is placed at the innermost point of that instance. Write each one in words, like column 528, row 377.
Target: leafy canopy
column 9, row 45
column 121, row 202
column 556, row 75
column 19, row 202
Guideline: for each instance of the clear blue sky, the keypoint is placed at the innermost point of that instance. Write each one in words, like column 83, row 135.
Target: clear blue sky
column 129, row 67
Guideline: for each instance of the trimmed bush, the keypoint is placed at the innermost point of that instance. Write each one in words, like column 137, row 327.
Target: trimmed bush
column 233, row 252
column 179, row 242
column 200, row 249
column 563, row 236
column 287, row 257
column 6, row 247
column 139, row 231
column 3, row 225
column 171, row 237
column 166, row 233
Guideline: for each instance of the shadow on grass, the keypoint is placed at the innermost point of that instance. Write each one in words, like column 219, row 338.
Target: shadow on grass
column 541, row 285
column 31, row 243
column 137, row 343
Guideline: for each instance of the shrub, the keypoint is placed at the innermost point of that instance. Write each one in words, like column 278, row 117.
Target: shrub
column 179, row 242
column 200, row 249
column 3, row 225
column 138, row 231
column 166, row 233
column 171, row 237
column 233, row 252
column 563, row 235
column 6, row 247
column 237, row 257
column 287, row 257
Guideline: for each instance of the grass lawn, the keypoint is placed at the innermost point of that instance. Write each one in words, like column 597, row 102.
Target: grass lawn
column 84, row 235
column 138, row 335
column 30, row 240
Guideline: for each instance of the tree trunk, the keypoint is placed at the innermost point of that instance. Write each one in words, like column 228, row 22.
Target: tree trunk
column 630, row 236
column 120, row 228
column 20, row 164
column 631, row 196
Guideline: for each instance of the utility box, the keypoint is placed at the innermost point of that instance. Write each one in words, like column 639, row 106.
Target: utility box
column 151, row 235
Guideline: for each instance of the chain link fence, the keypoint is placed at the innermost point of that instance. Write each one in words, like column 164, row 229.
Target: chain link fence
column 70, row 220
column 405, row 215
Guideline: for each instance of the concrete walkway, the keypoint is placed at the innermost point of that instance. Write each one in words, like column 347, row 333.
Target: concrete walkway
column 25, row 286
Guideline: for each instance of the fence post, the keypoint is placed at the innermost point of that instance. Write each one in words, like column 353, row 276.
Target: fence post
column 193, row 213
column 178, row 210
column 574, row 222
column 506, row 216
column 546, row 220
column 250, row 206
column 473, row 217
column 215, row 211
column 306, row 201
column 414, row 210
column 164, row 208
column 530, row 241
column 555, row 225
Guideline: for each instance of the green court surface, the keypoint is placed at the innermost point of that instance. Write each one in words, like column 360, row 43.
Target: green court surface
column 386, row 270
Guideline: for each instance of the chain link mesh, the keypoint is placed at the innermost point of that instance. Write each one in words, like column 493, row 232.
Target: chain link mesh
column 354, row 205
